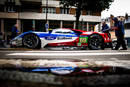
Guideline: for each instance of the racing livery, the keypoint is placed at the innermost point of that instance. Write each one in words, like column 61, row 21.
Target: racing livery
column 62, row 37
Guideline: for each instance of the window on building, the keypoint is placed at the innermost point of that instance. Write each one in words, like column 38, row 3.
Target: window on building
column 9, row 6
column 27, row 25
column 89, row 12
column 40, row 25
column 1, row 8
column 83, row 25
column 50, row 10
column 64, row 10
column 10, row 0
column 68, row 24
column 127, row 25
column 9, row 9
column 54, row 24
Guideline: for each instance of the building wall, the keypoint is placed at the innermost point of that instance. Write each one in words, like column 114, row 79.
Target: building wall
column 42, row 16
column 51, row 3
column 30, row 18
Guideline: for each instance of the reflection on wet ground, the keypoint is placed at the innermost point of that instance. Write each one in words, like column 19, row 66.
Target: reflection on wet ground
column 61, row 73
column 106, row 76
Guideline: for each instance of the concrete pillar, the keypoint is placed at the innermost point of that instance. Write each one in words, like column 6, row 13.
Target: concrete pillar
column 19, row 25
column 33, row 25
column 74, row 25
column 2, row 26
column 61, row 24
column 87, row 26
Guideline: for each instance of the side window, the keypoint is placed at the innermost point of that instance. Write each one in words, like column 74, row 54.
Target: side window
column 59, row 32
column 63, row 32
column 68, row 32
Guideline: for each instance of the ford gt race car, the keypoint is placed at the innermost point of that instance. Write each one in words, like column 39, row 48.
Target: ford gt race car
column 62, row 37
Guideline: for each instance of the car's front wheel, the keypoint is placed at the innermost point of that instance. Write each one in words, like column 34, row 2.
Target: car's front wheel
column 31, row 41
column 95, row 42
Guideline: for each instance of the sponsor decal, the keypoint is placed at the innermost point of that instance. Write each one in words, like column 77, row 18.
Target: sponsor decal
column 79, row 44
column 63, row 38
column 50, row 38
column 83, row 39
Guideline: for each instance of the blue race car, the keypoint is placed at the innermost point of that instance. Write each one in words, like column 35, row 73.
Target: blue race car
column 62, row 37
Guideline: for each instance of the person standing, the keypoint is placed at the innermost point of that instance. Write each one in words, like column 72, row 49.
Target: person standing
column 119, row 32
column 105, row 27
column 14, row 31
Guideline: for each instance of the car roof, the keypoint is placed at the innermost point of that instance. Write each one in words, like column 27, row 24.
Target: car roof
column 70, row 29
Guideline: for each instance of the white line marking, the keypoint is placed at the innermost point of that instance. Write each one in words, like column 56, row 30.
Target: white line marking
column 67, row 51
column 58, row 51
column 65, row 54
column 114, row 59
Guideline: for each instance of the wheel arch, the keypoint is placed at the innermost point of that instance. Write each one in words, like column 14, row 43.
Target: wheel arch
column 39, row 43
column 103, row 41
column 101, row 35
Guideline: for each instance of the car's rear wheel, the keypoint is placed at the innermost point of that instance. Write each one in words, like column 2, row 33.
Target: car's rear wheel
column 31, row 41
column 95, row 42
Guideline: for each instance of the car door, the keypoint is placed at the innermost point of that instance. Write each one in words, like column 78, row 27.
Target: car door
column 63, row 37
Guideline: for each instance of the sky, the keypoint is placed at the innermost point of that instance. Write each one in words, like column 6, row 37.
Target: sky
column 117, row 8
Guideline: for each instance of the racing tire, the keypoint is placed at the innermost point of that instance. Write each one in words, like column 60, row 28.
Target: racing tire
column 31, row 41
column 95, row 42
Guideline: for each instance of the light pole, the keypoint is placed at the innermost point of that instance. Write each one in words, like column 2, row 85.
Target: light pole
column 46, row 25
column 46, row 10
column 18, row 22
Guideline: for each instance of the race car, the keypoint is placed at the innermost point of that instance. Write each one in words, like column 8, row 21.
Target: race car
column 62, row 37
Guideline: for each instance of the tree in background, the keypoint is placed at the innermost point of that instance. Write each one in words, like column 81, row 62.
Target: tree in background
column 88, row 5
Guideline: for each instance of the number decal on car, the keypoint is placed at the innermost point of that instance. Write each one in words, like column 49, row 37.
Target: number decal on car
column 83, row 39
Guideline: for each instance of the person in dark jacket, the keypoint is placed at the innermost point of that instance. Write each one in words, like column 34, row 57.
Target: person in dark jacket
column 105, row 27
column 119, row 32
column 14, row 31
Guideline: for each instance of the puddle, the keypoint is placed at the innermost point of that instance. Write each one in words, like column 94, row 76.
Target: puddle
column 74, row 71
column 106, row 76
column 61, row 73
